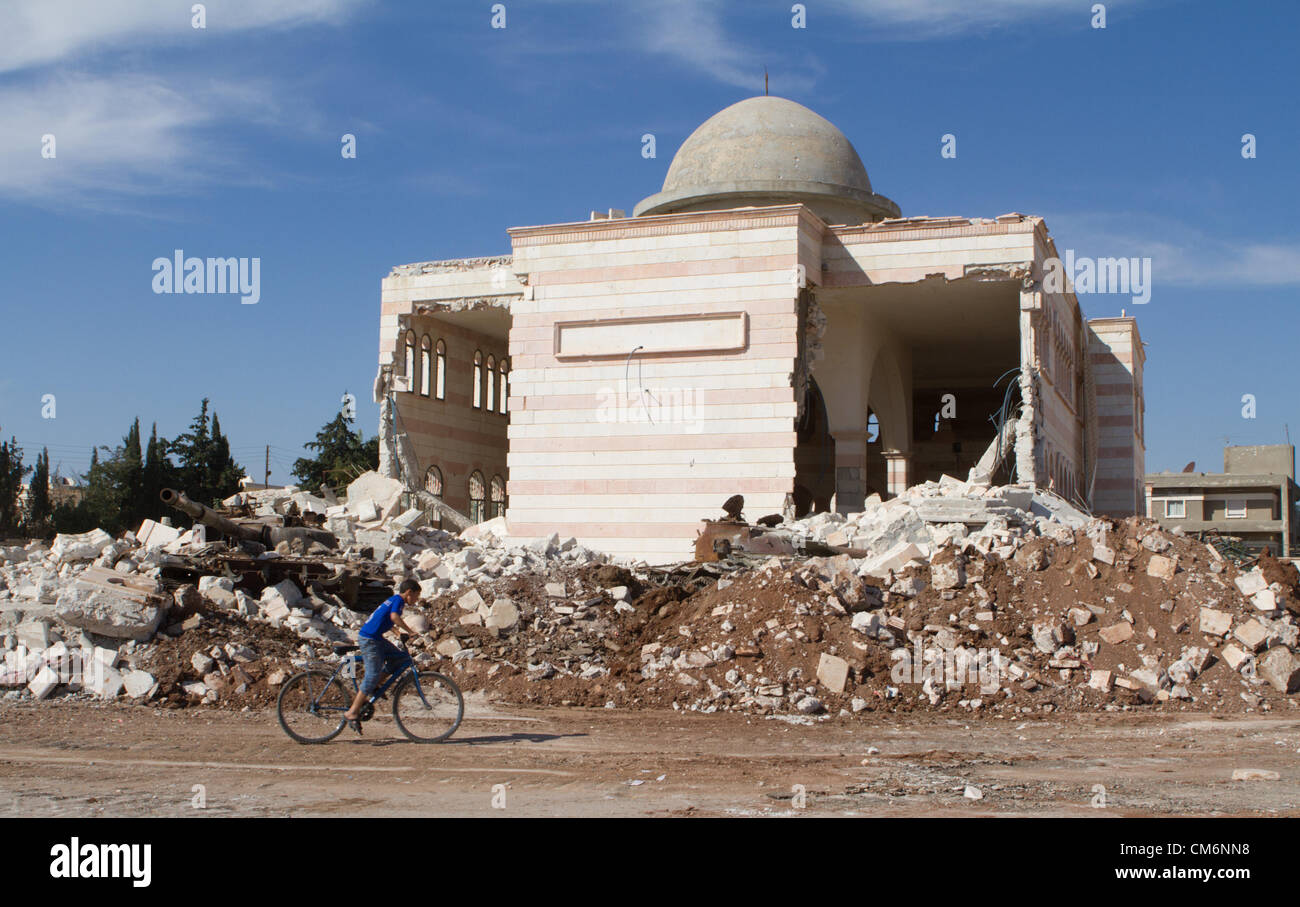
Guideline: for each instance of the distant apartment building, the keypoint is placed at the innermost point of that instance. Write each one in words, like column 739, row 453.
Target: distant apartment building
column 63, row 490
column 1253, row 499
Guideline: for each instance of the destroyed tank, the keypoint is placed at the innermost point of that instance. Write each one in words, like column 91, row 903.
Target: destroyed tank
column 251, row 531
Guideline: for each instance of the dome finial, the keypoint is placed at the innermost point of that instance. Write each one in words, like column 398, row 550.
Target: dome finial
column 764, row 81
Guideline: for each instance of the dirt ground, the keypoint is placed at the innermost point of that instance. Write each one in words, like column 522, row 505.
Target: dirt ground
column 79, row 759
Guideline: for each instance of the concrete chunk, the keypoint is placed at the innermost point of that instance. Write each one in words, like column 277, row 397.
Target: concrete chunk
column 121, row 614
column 384, row 493
column 503, row 615
column 471, row 600
column 1234, row 657
column 139, row 684
column 1080, row 616
column 410, row 519
column 1252, row 634
column 1215, row 623
column 1264, row 600
column 1162, row 567
column 220, row 590
column 34, row 634
column 1281, row 669
column 950, row 574
column 893, row 559
column 833, row 672
column 85, row 546
column 1251, row 582
column 1117, row 633
column 279, row 599
column 152, row 534
column 44, row 682
column 105, row 681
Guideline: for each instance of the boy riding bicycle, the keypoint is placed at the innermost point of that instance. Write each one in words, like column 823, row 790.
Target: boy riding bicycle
column 380, row 656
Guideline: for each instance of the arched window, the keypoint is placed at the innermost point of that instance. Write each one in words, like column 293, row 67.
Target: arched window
column 478, row 380
column 440, row 372
column 409, row 361
column 433, row 485
column 502, row 386
column 433, row 481
column 426, row 370
column 477, row 497
column 498, row 496
column 490, row 398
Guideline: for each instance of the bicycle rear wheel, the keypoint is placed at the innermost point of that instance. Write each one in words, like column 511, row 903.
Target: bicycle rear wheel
column 430, row 711
column 311, row 706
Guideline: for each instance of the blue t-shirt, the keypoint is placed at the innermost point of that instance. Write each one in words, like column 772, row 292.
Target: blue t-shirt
column 382, row 620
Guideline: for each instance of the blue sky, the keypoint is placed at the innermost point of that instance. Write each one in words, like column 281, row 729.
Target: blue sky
column 225, row 141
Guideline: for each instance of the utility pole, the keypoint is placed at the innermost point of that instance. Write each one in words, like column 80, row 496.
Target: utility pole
column 267, row 482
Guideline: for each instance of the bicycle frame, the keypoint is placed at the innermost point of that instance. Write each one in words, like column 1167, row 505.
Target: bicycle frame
column 351, row 661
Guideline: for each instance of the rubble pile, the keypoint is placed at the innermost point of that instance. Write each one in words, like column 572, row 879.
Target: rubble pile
column 1004, row 600
column 952, row 596
column 183, row 618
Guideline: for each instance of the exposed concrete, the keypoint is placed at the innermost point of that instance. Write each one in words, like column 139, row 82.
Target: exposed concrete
column 1265, row 458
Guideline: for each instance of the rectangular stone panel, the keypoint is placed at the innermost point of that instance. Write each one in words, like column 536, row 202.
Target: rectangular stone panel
column 712, row 333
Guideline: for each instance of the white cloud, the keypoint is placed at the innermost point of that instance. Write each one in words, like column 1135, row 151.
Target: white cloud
column 945, row 18
column 1181, row 254
column 41, row 32
column 114, row 135
column 692, row 32
column 119, row 131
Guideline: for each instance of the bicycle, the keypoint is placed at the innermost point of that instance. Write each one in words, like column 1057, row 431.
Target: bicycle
column 427, row 706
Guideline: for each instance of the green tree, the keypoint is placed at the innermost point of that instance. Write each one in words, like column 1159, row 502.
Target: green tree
column 159, row 473
column 130, row 476
column 37, row 520
column 204, row 467
column 117, row 495
column 11, row 482
column 222, row 470
column 192, row 450
column 121, row 487
column 341, row 456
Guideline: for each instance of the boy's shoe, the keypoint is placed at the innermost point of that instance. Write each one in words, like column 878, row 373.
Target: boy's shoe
column 355, row 724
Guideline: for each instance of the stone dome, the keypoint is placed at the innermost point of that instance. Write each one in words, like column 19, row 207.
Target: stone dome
column 769, row 151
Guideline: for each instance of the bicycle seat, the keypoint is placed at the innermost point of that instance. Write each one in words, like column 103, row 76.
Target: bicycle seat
column 343, row 650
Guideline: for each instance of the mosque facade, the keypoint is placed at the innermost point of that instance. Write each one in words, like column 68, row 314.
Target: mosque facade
column 765, row 325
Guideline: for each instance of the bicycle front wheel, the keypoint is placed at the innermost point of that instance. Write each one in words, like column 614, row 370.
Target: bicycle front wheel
column 428, row 708
column 311, row 706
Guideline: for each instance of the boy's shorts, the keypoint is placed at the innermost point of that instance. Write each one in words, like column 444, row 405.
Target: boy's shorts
column 381, row 657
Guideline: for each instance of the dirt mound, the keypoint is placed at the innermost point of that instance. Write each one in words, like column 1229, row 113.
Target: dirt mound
column 249, row 662
column 1114, row 616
